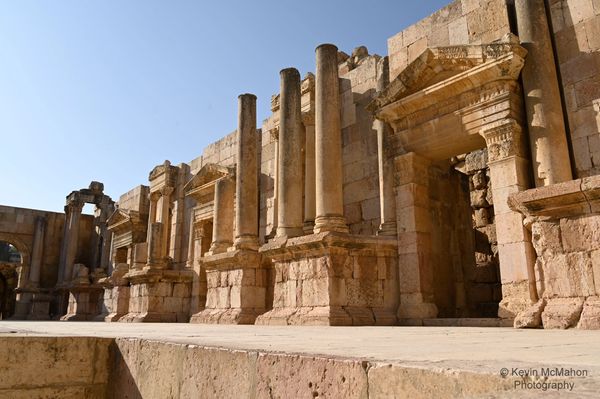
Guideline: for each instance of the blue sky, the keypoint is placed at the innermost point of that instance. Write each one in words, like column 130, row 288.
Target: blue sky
column 106, row 90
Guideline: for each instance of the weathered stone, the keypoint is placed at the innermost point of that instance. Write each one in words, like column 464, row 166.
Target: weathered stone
column 562, row 312
column 532, row 316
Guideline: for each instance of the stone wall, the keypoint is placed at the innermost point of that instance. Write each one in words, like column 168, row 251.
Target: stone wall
column 460, row 22
column 576, row 26
column 565, row 225
column 359, row 141
column 51, row 367
column 17, row 225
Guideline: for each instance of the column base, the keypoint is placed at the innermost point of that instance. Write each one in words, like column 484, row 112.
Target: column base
column 387, row 229
column 160, row 296
column 333, row 223
column 245, row 243
column 40, row 307
column 236, row 288
column 333, row 279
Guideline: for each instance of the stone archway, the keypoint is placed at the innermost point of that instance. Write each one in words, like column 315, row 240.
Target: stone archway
column 25, row 252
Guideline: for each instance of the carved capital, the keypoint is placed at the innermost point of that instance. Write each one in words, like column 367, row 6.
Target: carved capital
column 504, row 140
column 154, row 196
column 199, row 229
column 166, row 191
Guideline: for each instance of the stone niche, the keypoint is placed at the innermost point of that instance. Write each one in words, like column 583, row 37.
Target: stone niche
column 564, row 220
column 448, row 102
column 333, row 279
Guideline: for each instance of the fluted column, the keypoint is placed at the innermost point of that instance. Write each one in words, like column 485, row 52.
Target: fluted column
column 37, row 252
column 291, row 143
column 309, row 172
column 246, row 216
column 223, row 215
column 328, row 143
column 547, row 133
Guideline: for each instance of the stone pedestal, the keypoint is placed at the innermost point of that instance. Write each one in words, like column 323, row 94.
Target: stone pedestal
column 159, row 296
column 333, row 279
column 83, row 302
column 40, row 306
column 236, row 288
column 115, row 301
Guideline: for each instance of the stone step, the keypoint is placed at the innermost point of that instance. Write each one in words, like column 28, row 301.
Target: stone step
column 468, row 322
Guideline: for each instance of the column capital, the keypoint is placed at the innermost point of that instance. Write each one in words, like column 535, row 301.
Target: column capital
column 154, row 196
column 504, row 140
column 75, row 205
column 166, row 191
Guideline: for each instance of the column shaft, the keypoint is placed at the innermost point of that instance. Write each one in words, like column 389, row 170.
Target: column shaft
column 247, row 175
column 547, row 134
column 37, row 252
column 309, row 178
column 328, row 143
column 291, row 144
column 223, row 215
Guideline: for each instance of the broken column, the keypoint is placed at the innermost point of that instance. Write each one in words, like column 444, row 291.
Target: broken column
column 547, row 133
column 328, row 143
column 290, row 182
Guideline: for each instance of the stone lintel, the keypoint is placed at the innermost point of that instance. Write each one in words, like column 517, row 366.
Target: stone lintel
column 571, row 198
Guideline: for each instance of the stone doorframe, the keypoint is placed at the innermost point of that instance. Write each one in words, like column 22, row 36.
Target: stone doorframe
column 450, row 101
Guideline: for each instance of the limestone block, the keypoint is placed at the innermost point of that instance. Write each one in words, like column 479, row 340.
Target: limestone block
column 296, row 376
column 216, row 373
column 545, row 237
column 181, row 290
column 531, row 317
column 590, row 315
column 562, row 312
column 481, row 217
column 580, row 234
column 568, row 275
column 458, row 31
column 315, row 292
column 478, row 199
column 476, row 160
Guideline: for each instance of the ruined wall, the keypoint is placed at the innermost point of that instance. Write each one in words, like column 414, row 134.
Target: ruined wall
column 136, row 199
column 576, row 26
column 460, row 22
column 17, row 226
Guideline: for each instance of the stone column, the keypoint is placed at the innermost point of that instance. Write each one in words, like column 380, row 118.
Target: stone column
column 275, row 137
column 189, row 264
column 223, row 215
column 415, row 271
column 37, row 252
column 328, row 143
column 309, row 173
column 71, row 238
column 291, row 143
column 165, row 205
column 547, row 134
column 246, row 216
column 509, row 173
column 387, row 202
column 153, row 197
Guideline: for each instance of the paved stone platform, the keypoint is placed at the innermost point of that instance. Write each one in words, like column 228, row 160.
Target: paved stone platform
column 421, row 361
